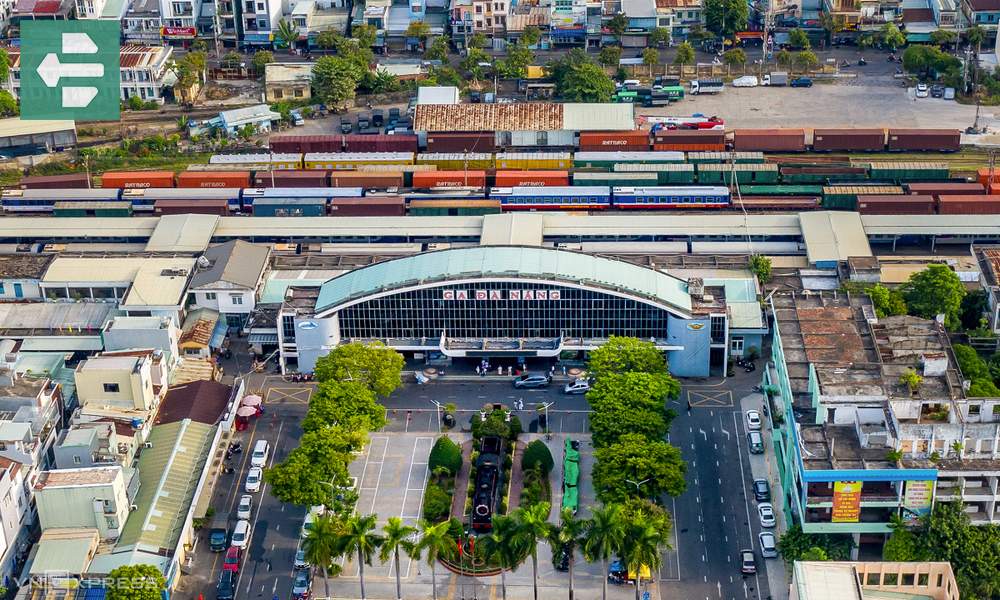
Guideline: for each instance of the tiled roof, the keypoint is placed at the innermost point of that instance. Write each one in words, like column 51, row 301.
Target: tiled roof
column 202, row 401
column 523, row 116
column 984, row 5
column 132, row 55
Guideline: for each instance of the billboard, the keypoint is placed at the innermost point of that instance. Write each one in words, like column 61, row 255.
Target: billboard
column 846, row 502
column 917, row 498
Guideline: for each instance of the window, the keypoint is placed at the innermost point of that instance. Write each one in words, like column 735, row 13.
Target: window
column 110, row 388
column 718, row 329
column 3, row 291
column 77, row 460
column 298, row 93
column 923, row 579
column 974, row 410
column 872, row 578
column 211, row 295
column 236, row 299
column 908, row 579
column 736, row 345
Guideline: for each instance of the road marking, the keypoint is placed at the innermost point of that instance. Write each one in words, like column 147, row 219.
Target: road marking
column 726, row 433
column 746, row 500
column 710, row 399
column 697, row 500
column 703, row 558
column 720, row 481
column 718, row 585
column 722, row 500
column 378, row 479
column 696, row 481
column 703, row 434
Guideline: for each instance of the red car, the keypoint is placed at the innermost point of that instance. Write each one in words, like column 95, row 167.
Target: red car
column 234, row 557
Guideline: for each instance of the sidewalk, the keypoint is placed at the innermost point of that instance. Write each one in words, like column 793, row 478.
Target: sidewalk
column 461, row 483
column 763, row 467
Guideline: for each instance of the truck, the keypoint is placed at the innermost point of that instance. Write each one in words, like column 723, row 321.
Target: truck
column 218, row 534
column 776, row 78
column 706, row 86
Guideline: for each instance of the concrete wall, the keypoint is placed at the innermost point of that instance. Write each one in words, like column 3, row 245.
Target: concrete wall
column 122, row 338
column 135, row 390
column 314, row 338
column 29, row 288
column 695, row 336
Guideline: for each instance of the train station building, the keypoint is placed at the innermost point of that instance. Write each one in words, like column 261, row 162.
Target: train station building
column 516, row 302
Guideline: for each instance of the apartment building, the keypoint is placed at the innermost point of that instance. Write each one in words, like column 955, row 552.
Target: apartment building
column 142, row 25
column 127, row 386
column 94, row 497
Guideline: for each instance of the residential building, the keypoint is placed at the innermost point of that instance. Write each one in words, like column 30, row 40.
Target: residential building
column 20, row 275
column 989, row 262
column 227, row 279
column 392, row 20
column 123, row 383
column 93, row 497
column 202, row 333
column 522, row 17
column 315, row 16
column 93, row 444
column 227, row 23
column 642, row 19
column 180, row 18
column 135, row 333
column 256, row 22
column 38, row 10
column 53, row 327
column 679, row 16
column 112, row 10
column 872, row 580
column 17, row 515
column 985, row 13
column 438, row 94
column 64, row 551
column 259, row 117
column 284, row 81
column 142, row 23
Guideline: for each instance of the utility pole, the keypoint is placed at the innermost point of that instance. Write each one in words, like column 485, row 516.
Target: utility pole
column 767, row 28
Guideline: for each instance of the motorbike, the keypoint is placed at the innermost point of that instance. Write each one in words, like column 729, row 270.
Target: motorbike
column 862, row 62
column 892, row 58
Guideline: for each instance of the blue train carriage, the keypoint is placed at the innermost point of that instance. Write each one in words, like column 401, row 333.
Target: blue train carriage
column 553, row 198
column 671, row 197
column 144, row 199
column 44, row 200
column 324, row 194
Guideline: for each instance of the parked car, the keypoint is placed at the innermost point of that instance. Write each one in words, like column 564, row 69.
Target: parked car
column 301, row 585
column 253, row 480
column 296, row 118
column 761, row 490
column 765, row 511
column 260, row 451
column 300, row 560
column 768, row 544
column 753, row 420
column 937, row 91
column 218, row 539
column 244, row 507
column 949, row 93
column 748, row 564
column 922, row 90
column 756, row 442
column 577, row 386
column 803, row 82
column 234, row 556
column 378, row 117
column 226, row 588
column 746, row 81
column 528, row 380
column 346, row 126
column 364, row 122
column 241, row 534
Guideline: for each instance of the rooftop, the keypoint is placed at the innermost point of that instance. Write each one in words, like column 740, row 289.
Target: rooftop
column 160, row 283
column 833, row 236
column 181, row 233
column 24, row 266
column 53, row 318
column 201, row 401
column 288, row 73
column 869, row 580
column 16, row 126
column 64, row 550
column 250, row 114
column 42, row 8
column 131, row 56
column 198, row 327
column 237, row 262
column 523, row 117
column 108, row 269
column 77, row 477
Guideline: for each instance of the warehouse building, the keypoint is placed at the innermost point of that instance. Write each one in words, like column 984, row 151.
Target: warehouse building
column 22, row 138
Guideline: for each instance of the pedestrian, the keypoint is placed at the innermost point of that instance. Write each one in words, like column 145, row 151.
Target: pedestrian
column 499, row 369
column 510, row 370
column 477, row 369
column 482, row 372
column 564, row 370
column 552, row 370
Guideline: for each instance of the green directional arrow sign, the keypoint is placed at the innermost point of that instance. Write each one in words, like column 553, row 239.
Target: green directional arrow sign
column 69, row 70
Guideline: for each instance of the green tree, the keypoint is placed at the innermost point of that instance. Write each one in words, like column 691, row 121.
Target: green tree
column 438, row 49
column 327, row 39
column 887, row 302
column 568, row 537
column 311, row 472
column 287, row 34
column 261, row 58
column 136, row 582
column 445, row 75
column 350, row 404
column 892, row 36
column 334, row 81
column 815, row 554
column 806, row 60
column 975, row 36
column 798, row 39
column 445, row 453
column 659, row 36
column 784, row 57
column 973, row 309
column 533, row 527
column 644, row 547
column 472, row 63
column 943, row 37
column 478, row 40
column 395, row 537
column 321, row 546
column 633, row 457
column 8, row 104
column 231, row 60
column 832, row 24
column 726, row 17
column 605, row 536
column 504, row 545
column 622, row 354
column 365, row 34
column 618, row 24
column 560, row 68
column 760, row 266
column 631, row 402
column 436, row 542
column 437, row 504
column 641, row 508
column 537, row 456
column 610, row 56
column 4, row 65
column 948, row 535
column 650, row 58
column 198, row 61
column 903, row 545
column 375, row 365
column 935, row 290
column 587, row 83
column 358, row 537
column 419, row 30
column 531, row 36
column 685, row 54
column 515, row 65
column 735, row 57
column 794, row 544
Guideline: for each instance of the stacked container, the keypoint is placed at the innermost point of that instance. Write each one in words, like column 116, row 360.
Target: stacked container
column 770, row 140
column 214, row 179
column 912, row 204
column 137, row 179
column 612, row 141
column 931, row 140
column 690, row 140
column 849, row 140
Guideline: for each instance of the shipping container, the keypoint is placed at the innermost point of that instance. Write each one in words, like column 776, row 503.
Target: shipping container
column 348, row 161
column 983, row 175
column 479, row 141
column 137, row 179
column 368, row 181
column 724, row 174
column 198, row 207
column 607, row 160
column 616, row 179
column 667, row 174
column 146, row 199
column 775, row 203
column 534, row 160
column 898, row 172
column 930, row 140
column 782, row 190
column 291, row 179
column 825, row 175
column 453, row 208
column 993, row 189
column 689, row 140
column 536, row 140
column 725, row 157
column 531, row 178
column 95, row 208
column 253, row 162
column 911, row 204
column 302, row 144
column 946, row 188
column 969, row 205
column 369, row 206
column 406, row 170
column 846, row 140
column 69, row 181
column 289, row 207
column 214, row 179
column 844, row 197
column 770, row 140
column 440, row 179
column 446, row 161
column 380, row 143
column 604, row 141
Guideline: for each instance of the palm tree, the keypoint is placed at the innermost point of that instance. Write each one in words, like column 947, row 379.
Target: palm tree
column 397, row 536
column 288, row 33
column 356, row 537
column 321, row 545
column 567, row 537
column 437, row 541
column 605, row 534
column 532, row 527
column 504, row 545
column 644, row 548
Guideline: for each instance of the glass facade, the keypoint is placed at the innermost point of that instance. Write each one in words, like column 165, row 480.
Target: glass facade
column 502, row 310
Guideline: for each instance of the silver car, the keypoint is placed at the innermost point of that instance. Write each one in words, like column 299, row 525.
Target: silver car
column 768, row 544
column 577, row 386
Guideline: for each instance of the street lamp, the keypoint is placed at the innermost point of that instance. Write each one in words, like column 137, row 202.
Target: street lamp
column 438, row 413
column 637, row 484
column 545, row 407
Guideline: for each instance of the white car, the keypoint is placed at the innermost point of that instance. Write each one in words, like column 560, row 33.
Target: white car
column 768, row 544
column 577, row 386
column 254, row 478
column 243, row 509
column 746, row 81
column 753, row 420
column 922, row 90
column 766, row 513
column 241, row 534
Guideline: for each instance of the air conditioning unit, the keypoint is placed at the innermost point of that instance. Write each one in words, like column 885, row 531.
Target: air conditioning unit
column 147, row 444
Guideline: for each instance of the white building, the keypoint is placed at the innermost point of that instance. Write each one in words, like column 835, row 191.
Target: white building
column 141, row 23
column 228, row 278
column 91, row 497
column 258, row 20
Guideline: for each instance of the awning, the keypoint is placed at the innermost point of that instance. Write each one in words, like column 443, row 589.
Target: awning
column 263, row 338
column 218, row 334
column 63, row 344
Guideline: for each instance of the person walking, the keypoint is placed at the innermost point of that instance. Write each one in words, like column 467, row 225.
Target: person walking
column 477, row 369
column 510, row 370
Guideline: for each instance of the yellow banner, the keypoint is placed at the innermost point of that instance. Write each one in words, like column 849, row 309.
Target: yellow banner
column 846, row 502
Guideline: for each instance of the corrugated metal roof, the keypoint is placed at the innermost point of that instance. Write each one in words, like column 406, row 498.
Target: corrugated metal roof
column 599, row 117
column 507, row 262
column 15, row 126
column 525, row 116
column 512, row 229
column 333, row 227
column 182, row 233
column 833, row 236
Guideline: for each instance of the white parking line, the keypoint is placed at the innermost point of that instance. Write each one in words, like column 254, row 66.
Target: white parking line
column 746, row 500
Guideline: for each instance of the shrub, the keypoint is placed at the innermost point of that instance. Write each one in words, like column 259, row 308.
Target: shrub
column 446, row 454
column 537, row 454
column 516, row 428
column 437, row 503
column 508, row 462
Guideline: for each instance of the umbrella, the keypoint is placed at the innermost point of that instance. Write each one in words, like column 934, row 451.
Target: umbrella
column 246, row 411
column 251, row 400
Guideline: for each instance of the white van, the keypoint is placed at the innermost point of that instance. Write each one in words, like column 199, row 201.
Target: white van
column 260, row 452
column 241, row 534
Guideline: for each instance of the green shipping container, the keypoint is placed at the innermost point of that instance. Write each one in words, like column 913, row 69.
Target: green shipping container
column 745, row 173
column 822, row 178
column 907, row 171
column 665, row 174
column 782, row 190
column 721, row 157
column 92, row 209
column 613, row 179
column 607, row 160
column 845, row 197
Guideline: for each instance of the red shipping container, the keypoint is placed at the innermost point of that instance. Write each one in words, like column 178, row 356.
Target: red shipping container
column 198, row 207
column 769, row 140
column 946, row 188
column 291, row 179
column 369, row 206
column 969, row 205
column 366, row 180
column 983, row 175
column 930, row 140
column 481, row 141
column 614, row 141
column 380, row 143
column 436, row 179
column 914, row 204
column 137, row 179
column 306, row 143
column 994, row 189
column 214, row 179
column 675, row 147
column 54, row 182
column 862, row 140
column 690, row 136
column 531, row 178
